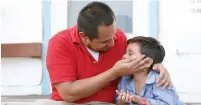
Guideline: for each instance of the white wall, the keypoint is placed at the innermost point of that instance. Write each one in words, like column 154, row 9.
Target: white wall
column 58, row 16
column 21, row 22
column 181, row 35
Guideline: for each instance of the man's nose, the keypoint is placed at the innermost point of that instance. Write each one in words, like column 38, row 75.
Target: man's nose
column 111, row 43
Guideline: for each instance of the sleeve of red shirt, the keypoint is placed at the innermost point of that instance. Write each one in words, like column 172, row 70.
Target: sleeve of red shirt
column 60, row 60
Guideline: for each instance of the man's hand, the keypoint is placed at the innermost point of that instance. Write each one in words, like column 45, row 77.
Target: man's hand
column 139, row 63
column 129, row 65
column 145, row 63
column 164, row 79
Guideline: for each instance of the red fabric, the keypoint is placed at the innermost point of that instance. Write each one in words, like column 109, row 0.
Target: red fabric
column 69, row 60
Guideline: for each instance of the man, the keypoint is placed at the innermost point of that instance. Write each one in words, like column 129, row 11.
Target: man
column 85, row 62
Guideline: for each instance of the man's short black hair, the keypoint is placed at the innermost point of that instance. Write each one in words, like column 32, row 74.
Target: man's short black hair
column 150, row 47
column 93, row 15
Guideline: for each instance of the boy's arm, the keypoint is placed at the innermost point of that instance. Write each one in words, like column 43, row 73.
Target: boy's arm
column 149, row 101
column 163, row 96
column 155, row 102
column 121, row 86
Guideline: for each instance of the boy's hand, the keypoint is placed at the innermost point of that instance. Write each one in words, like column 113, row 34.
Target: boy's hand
column 123, row 97
column 136, row 99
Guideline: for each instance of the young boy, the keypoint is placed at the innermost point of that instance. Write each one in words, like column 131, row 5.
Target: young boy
column 140, row 87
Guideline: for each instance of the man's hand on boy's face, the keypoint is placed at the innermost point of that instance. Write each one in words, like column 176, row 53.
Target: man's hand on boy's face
column 164, row 79
column 143, row 64
column 127, row 66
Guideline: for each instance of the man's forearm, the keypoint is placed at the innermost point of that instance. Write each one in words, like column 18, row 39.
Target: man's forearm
column 82, row 88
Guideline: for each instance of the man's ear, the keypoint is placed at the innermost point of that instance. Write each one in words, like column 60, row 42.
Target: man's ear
column 84, row 37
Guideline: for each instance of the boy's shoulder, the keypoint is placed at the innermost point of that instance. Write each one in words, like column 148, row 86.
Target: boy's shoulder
column 125, row 78
column 152, row 77
column 153, row 72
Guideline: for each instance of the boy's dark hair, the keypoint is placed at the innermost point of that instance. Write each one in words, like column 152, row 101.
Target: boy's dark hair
column 93, row 15
column 150, row 47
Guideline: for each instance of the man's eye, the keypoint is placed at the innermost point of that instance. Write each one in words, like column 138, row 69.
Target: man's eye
column 104, row 42
column 130, row 54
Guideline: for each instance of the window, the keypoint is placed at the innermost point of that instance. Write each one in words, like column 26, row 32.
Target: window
column 122, row 9
column 133, row 16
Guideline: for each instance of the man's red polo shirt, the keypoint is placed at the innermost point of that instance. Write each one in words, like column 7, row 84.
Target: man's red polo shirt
column 69, row 60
